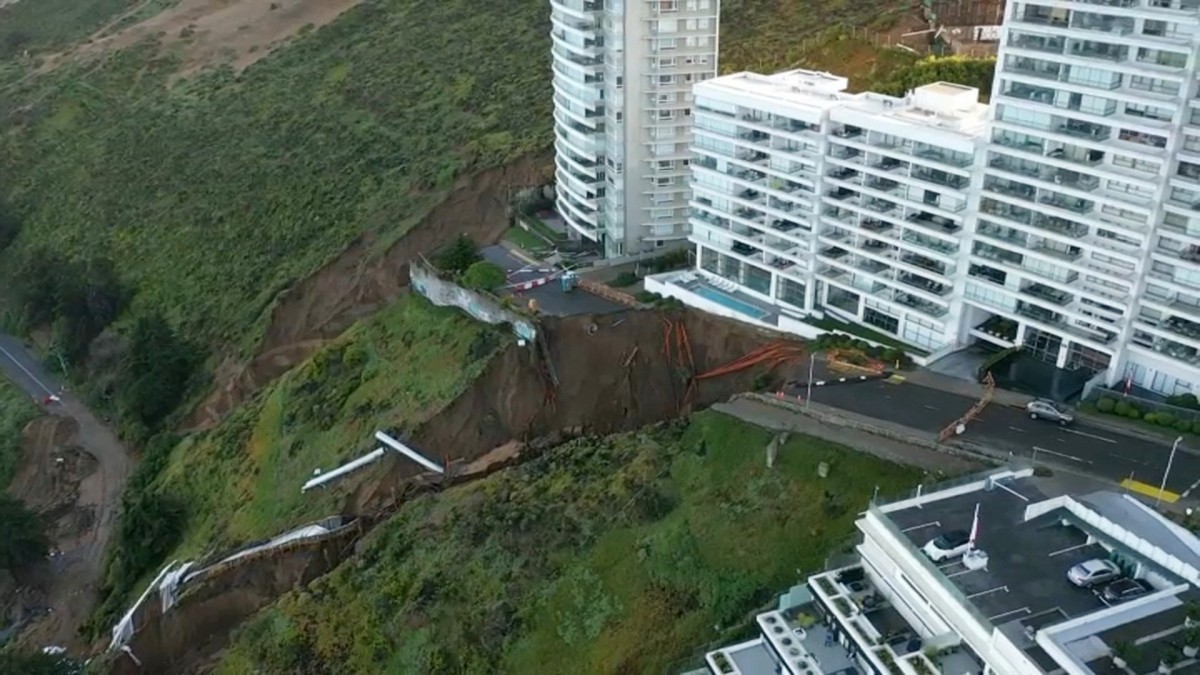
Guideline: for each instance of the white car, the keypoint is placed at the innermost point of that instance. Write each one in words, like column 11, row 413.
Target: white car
column 1093, row 572
column 948, row 545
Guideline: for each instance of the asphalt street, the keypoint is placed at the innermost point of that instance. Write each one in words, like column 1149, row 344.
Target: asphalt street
column 24, row 369
column 1090, row 449
column 551, row 298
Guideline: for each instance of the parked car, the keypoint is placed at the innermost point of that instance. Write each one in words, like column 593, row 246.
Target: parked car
column 1044, row 409
column 1093, row 573
column 1123, row 590
column 947, row 545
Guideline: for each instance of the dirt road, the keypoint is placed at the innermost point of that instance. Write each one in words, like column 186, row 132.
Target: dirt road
column 70, row 580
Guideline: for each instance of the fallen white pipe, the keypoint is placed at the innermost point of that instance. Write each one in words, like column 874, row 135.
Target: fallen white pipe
column 409, row 452
column 344, row 469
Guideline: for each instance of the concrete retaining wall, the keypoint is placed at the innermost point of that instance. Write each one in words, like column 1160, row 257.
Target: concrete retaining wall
column 483, row 307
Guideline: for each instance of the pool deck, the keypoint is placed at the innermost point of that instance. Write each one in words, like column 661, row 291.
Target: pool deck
column 767, row 313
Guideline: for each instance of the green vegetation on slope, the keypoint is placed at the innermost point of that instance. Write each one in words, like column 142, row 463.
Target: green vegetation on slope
column 16, row 410
column 213, row 195
column 242, row 481
column 42, row 24
column 602, row 556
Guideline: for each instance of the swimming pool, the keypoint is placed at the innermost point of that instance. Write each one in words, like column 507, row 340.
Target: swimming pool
column 727, row 300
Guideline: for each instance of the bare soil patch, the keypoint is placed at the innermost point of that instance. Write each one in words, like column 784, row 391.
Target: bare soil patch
column 209, row 32
column 57, row 479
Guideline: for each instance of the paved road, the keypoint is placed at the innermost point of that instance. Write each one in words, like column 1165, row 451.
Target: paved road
column 551, row 299
column 74, row 592
column 1091, row 449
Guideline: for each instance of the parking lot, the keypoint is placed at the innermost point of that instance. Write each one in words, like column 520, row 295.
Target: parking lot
column 550, row 297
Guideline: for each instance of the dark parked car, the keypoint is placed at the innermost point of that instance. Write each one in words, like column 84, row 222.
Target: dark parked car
column 1123, row 590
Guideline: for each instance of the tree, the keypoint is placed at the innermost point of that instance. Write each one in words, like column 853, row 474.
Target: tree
column 10, row 227
column 483, row 276
column 22, row 538
column 155, row 371
column 459, row 255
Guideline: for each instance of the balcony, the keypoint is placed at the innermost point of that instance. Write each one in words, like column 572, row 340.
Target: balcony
column 1062, row 226
column 1038, row 43
column 941, row 178
column 935, row 245
column 1073, row 204
column 1047, row 293
column 844, row 174
column 923, row 306
column 921, row 283
column 876, row 225
column 934, row 222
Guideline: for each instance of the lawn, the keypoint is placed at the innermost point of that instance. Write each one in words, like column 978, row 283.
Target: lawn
column 624, row 554
column 526, row 240
column 16, row 410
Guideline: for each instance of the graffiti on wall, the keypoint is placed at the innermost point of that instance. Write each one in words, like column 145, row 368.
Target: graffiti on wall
column 482, row 307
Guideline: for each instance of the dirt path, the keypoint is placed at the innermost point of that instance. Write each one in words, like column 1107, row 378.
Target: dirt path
column 73, row 469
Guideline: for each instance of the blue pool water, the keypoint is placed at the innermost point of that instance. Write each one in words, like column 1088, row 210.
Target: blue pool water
column 727, row 300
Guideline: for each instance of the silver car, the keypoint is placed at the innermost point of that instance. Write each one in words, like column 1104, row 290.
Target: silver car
column 1045, row 409
column 1093, row 572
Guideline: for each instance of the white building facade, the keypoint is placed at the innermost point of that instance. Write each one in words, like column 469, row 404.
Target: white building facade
column 1064, row 217
column 808, row 197
column 623, row 72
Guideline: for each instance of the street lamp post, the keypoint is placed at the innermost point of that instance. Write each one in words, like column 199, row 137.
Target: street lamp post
column 812, row 361
column 1170, row 460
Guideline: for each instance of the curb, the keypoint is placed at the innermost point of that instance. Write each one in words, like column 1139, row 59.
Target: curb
column 911, row 437
column 840, row 380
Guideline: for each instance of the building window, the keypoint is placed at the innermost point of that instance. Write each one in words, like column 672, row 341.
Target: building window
column 888, row 324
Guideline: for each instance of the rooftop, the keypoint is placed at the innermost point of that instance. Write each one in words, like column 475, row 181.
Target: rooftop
column 1031, row 541
column 1020, row 582
column 943, row 105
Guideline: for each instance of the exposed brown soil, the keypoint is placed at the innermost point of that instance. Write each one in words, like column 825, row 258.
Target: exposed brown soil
column 357, row 283
column 597, row 393
column 57, row 480
column 208, row 32
column 200, row 623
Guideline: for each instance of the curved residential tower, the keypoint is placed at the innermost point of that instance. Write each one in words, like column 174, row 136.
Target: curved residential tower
column 623, row 74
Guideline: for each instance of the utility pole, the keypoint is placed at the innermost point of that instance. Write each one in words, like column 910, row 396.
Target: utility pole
column 1167, row 472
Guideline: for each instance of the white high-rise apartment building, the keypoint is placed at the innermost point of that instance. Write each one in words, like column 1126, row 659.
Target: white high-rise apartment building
column 1092, row 180
column 1064, row 217
column 623, row 77
column 806, row 196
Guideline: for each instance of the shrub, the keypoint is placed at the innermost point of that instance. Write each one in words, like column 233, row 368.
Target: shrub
column 1122, row 408
column 1184, row 401
column 647, row 297
column 22, row 539
column 1196, row 426
column 1183, row 425
column 1133, row 413
column 458, row 256
column 1105, row 405
column 484, row 276
column 1164, row 419
column 624, row 279
column 1150, row 417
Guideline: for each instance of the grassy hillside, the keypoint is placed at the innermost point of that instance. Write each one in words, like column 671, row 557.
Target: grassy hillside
column 213, row 195
column 16, row 410
column 242, row 481
column 617, row 555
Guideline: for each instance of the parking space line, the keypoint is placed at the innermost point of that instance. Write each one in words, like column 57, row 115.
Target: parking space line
column 1191, row 487
column 1068, row 549
column 931, row 523
column 1017, row 429
column 988, row 592
column 959, row 574
column 1020, row 609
